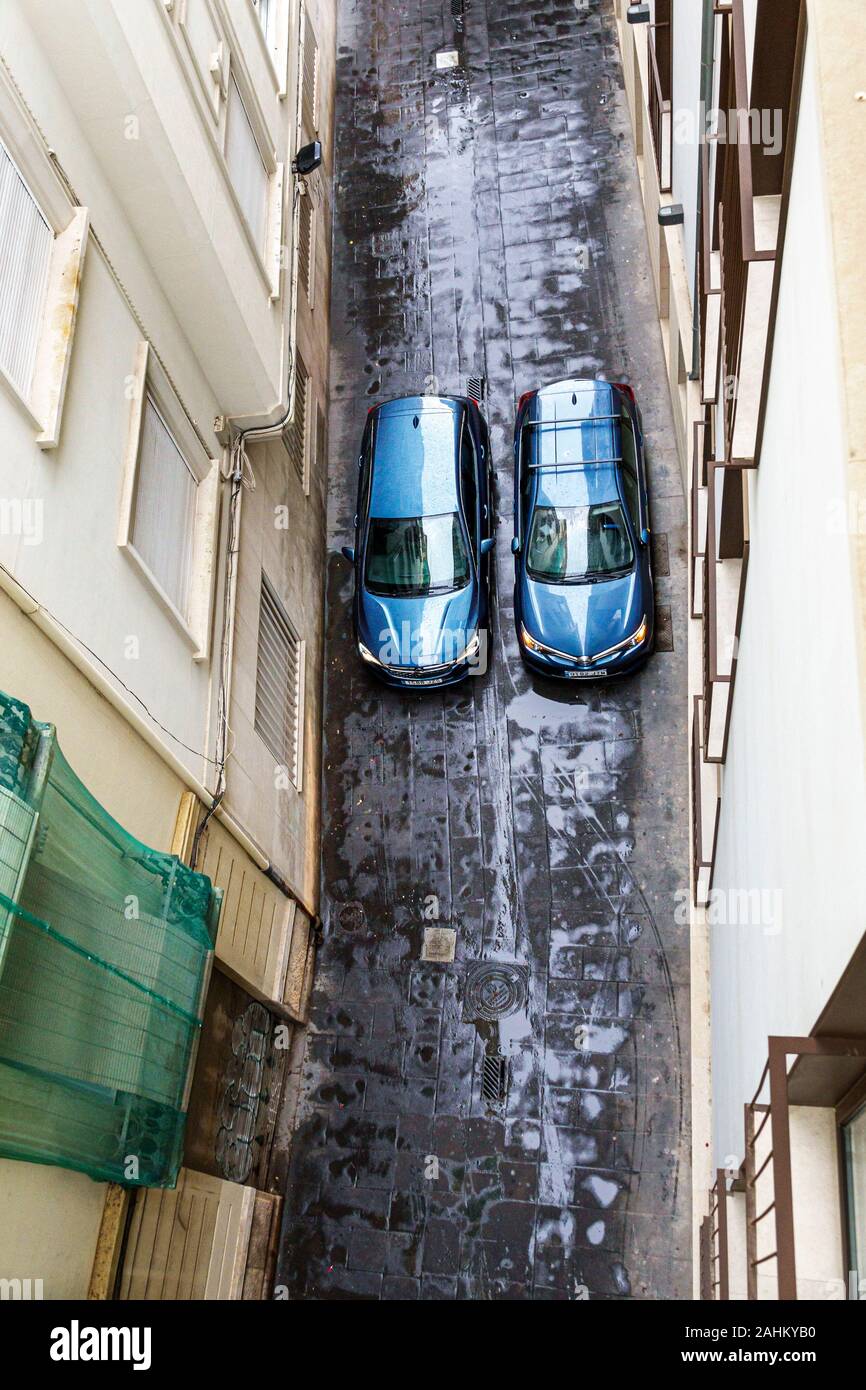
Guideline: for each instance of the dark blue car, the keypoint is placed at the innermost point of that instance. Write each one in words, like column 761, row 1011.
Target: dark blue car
column 583, row 593
column 423, row 536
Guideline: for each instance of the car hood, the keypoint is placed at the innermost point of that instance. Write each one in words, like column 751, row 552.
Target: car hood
column 582, row 619
column 418, row 631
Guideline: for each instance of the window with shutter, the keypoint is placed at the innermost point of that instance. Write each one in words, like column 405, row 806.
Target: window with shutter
column 278, row 681
column 162, row 531
column 246, row 168
column 297, row 432
column 26, row 240
column 306, row 244
column 309, row 80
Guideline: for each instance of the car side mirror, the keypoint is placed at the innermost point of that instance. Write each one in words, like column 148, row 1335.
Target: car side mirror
column 515, row 545
column 348, row 552
column 487, row 545
column 644, row 535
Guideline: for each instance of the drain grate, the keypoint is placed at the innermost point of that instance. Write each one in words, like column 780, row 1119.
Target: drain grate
column 457, row 9
column 476, row 388
column 352, row 916
column 661, row 554
column 494, row 1078
column 494, row 989
column 664, row 628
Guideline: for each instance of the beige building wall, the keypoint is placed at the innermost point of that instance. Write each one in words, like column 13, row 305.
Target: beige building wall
column 117, row 115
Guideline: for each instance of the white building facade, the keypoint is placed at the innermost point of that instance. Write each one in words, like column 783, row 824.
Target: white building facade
column 164, row 286
column 745, row 115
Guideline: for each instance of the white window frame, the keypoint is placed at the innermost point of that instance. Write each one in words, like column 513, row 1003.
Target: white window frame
column 149, row 379
column 269, row 255
column 42, row 405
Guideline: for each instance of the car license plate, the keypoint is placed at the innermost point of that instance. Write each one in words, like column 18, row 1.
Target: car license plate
column 437, row 681
column 586, row 675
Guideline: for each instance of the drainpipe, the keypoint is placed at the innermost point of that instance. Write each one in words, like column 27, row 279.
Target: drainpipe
column 708, row 35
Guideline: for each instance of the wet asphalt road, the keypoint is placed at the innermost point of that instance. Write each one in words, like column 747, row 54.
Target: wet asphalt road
column 488, row 224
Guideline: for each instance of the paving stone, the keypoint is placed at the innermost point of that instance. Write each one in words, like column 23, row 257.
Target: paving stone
column 551, row 825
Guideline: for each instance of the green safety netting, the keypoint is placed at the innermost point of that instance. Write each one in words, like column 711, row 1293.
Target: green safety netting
column 104, row 951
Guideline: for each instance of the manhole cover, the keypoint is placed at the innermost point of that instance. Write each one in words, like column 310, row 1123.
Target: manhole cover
column 352, row 917
column 664, row 628
column 494, row 990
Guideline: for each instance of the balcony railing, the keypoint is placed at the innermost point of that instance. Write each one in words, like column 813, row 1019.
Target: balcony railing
column 706, row 808
column 722, row 605
column 747, row 229
column 770, row 1226
column 717, row 1280
column 709, row 287
column 659, row 111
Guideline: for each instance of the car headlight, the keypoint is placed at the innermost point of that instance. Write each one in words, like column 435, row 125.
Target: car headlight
column 367, row 655
column 628, row 643
column 639, row 635
column 530, row 642
column 472, row 649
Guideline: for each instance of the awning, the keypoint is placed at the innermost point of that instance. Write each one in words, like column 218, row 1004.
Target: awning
column 105, row 948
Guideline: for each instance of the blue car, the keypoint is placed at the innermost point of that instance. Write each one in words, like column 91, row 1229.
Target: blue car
column 423, row 537
column 583, row 594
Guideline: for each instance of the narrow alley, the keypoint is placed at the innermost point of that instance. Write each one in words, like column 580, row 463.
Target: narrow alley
column 488, row 224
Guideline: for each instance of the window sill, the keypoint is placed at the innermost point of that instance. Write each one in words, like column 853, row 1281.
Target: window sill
column 164, row 601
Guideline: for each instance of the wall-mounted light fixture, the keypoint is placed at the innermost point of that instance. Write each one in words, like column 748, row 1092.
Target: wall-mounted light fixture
column 672, row 215
column 638, row 14
column 307, row 159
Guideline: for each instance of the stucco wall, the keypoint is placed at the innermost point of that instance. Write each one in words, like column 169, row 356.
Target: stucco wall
column 50, row 1224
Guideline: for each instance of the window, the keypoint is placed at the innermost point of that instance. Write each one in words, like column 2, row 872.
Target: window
column 470, row 487
column 571, row 544
column 246, row 168
column 306, row 244
column 169, row 505
column 162, row 530
column 629, row 470
column 410, row 557
column 309, row 80
column 854, row 1149
column 296, row 433
column 279, row 681
column 26, row 241
column 264, row 10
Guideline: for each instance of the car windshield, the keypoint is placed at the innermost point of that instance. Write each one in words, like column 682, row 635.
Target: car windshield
column 568, row 544
column 411, row 556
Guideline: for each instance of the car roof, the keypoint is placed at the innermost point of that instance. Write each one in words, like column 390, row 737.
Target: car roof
column 414, row 457
column 573, row 444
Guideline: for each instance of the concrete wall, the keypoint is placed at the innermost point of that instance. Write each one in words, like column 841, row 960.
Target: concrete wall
column 794, row 802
